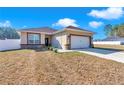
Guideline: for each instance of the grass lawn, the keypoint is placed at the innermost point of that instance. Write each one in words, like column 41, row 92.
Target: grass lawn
column 47, row 67
column 116, row 47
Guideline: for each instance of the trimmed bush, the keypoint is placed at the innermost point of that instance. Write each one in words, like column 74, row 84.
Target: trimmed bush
column 52, row 49
column 55, row 50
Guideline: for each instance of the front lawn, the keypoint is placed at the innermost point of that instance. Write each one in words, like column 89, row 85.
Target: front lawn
column 47, row 67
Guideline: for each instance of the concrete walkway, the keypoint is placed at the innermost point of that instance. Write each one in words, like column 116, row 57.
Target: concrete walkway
column 102, row 53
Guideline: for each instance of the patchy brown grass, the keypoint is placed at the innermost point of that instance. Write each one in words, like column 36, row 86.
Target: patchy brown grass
column 47, row 67
column 116, row 47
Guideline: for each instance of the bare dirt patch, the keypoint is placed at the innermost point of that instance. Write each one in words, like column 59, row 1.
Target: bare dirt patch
column 15, row 67
column 47, row 67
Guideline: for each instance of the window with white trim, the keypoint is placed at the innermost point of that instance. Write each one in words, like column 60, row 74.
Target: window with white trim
column 33, row 38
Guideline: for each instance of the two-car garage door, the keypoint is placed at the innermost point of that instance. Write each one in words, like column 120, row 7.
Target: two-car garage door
column 80, row 42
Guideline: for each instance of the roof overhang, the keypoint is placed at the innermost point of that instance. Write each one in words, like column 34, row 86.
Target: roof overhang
column 36, row 32
column 59, row 31
column 80, row 30
column 75, row 30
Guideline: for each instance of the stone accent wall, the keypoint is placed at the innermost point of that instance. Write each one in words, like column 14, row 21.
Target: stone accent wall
column 25, row 46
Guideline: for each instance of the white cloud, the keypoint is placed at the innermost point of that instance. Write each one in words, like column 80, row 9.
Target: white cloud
column 24, row 26
column 95, row 24
column 109, row 13
column 5, row 24
column 66, row 22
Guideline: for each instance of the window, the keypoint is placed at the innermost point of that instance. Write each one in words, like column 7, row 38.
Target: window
column 33, row 38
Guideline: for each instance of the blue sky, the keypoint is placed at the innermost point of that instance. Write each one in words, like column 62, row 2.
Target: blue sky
column 93, row 19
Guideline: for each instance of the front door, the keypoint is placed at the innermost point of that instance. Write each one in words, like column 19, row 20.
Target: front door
column 46, row 41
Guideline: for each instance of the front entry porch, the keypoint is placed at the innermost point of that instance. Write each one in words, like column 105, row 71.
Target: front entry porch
column 48, row 40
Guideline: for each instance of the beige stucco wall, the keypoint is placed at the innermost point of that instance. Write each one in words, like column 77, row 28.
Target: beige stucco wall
column 59, row 40
column 79, row 33
column 24, row 38
column 42, row 38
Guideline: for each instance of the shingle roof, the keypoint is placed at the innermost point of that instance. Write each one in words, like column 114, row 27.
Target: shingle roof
column 114, row 38
column 49, row 30
column 76, row 28
column 72, row 27
column 41, row 29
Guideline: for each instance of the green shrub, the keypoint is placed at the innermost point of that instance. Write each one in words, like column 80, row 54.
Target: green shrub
column 51, row 48
column 55, row 50
column 48, row 47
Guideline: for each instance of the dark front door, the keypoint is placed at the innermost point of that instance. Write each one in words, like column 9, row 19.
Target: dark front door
column 46, row 41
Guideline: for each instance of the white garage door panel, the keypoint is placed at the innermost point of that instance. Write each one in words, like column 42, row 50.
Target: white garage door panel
column 79, row 42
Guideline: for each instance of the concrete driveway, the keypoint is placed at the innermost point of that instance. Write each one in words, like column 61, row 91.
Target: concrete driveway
column 102, row 53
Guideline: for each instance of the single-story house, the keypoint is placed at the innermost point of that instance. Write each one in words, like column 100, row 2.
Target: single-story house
column 68, row 38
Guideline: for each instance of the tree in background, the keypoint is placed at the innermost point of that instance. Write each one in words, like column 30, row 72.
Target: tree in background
column 114, row 30
column 9, row 33
column 108, row 30
column 121, row 30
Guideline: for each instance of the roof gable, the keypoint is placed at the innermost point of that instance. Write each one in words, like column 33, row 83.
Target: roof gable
column 76, row 28
column 72, row 27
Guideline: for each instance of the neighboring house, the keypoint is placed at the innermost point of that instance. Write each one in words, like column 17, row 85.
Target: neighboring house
column 114, row 38
column 67, row 38
column 111, row 40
